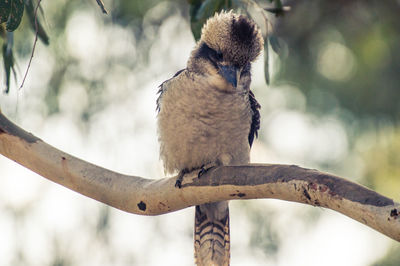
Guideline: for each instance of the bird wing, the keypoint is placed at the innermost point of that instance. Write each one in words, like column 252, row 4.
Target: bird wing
column 255, row 120
column 254, row 105
column 163, row 88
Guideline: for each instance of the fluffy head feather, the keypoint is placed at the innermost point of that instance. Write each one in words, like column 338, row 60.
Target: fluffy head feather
column 235, row 37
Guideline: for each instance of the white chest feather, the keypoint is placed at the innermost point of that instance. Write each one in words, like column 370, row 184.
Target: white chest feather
column 199, row 124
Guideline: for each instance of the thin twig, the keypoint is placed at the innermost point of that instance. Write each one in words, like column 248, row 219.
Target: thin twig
column 34, row 44
column 101, row 5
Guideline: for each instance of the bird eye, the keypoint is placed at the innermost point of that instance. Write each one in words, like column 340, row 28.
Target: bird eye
column 219, row 56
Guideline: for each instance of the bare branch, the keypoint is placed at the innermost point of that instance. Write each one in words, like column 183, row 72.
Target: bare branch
column 153, row 197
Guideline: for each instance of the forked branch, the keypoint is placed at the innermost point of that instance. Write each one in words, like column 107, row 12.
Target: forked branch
column 153, row 197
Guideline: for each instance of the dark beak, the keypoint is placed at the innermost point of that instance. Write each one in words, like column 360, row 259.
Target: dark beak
column 230, row 73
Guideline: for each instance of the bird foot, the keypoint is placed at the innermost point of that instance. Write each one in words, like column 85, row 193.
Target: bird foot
column 178, row 183
column 204, row 170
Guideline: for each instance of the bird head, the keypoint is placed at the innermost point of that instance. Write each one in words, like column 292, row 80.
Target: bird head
column 229, row 43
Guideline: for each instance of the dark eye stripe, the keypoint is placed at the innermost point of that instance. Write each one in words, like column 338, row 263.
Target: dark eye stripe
column 208, row 53
column 219, row 56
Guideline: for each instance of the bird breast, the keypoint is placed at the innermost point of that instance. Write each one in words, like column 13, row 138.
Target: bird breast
column 199, row 124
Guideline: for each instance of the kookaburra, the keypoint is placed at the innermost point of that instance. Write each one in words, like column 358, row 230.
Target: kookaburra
column 208, row 117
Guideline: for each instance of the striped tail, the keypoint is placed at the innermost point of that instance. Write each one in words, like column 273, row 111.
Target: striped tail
column 211, row 234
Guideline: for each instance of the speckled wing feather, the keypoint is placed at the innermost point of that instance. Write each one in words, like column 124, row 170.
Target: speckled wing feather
column 255, row 120
column 162, row 89
column 209, row 117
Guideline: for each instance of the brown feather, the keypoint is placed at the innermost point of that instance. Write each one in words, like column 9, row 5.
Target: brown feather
column 205, row 118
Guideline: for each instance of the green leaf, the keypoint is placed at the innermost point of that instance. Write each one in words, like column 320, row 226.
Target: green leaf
column 266, row 62
column 278, row 9
column 194, row 2
column 200, row 11
column 3, row 32
column 8, row 60
column 208, row 8
column 194, row 24
column 279, row 46
column 278, row 4
column 30, row 11
column 5, row 7
column 16, row 12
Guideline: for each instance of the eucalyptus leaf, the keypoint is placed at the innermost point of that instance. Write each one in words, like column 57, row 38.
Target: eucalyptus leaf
column 266, row 62
column 204, row 11
column 278, row 9
column 16, row 12
column 5, row 7
column 194, row 24
column 279, row 46
column 200, row 11
column 8, row 60
column 278, row 4
column 30, row 11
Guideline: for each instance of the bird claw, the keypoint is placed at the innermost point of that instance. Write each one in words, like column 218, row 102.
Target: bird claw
column 203, row 170
column 179, row 179
column 178, row 183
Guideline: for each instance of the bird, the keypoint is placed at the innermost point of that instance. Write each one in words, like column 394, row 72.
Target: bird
column 209, row 117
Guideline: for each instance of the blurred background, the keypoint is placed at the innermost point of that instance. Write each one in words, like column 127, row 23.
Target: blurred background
column 333, row 103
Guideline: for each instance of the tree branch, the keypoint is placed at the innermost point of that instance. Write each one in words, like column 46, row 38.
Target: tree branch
column 153, row 197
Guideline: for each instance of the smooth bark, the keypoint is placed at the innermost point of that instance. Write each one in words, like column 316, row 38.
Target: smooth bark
column 158, row 196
